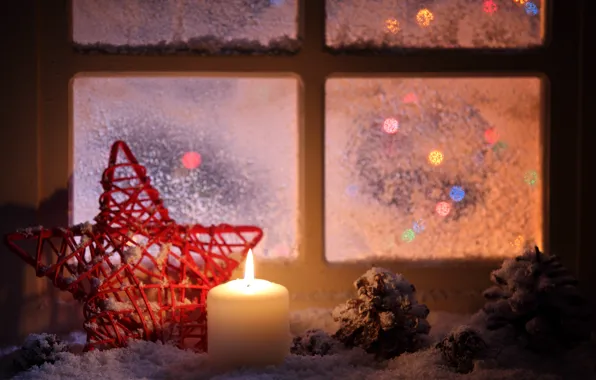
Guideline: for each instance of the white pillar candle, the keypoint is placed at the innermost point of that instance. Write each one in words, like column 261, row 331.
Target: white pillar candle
column 248, row 322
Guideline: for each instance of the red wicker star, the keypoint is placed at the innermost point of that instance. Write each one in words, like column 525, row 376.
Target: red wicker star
column 139, row 274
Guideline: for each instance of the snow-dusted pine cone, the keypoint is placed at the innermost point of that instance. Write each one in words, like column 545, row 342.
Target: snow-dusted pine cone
column 385, row 319
column 539, row 298
column 39, row 349
column 461, row 347
column 315, row 342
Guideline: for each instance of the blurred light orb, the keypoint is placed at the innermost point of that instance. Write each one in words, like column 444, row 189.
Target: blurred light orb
column 424, row 17
column 531, row 8
column 500, row 145
column 408, row 235
column 489, row 6
column 517, row 242
column 491, row 136
column 457, row 193
column 410, row 98
column 418, row 226
column 531, row 177
column 191, row 160
column 520, row 2
column 392, row 25
column 352, row 190
column 390, row 126
column 443, row 208
column 435, row 157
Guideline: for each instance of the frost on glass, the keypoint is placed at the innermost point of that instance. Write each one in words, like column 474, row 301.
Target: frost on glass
column 223, row 26
column 219, row 150
column 373, row 24
column 478, row 195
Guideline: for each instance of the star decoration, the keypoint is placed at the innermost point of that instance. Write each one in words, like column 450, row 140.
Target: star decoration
column 139, row 274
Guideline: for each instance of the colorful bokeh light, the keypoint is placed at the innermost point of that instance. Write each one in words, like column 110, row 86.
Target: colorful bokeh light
column 520, row 2
column 408, row 235
column 443, row 208
column 531, row 8
column 410, row 98
column 418, row 227
column 489, row 6
column 424, row 17
column 517, row 242
column 392, row 25
column 191, row 160
column 531, row 177
column 457, row 193
column 352, row 190
column 491, row 136
column 500, row 145
column 435, row 157
column 390, row 126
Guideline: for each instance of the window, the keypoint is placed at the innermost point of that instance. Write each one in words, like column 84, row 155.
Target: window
column 141, row 26
column 432, row 169
column 311, row 279
column 445, row 24
column 206, row 144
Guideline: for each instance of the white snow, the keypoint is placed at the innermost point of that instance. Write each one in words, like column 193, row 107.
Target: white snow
column 145, row 361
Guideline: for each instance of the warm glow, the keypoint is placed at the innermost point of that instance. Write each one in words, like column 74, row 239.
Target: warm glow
column 392, row 25
column 435, row 157
column 249, row 268
column 520, row 2
column 424, row 17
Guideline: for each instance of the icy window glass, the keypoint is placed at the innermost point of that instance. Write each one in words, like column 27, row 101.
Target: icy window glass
column 133, row 26
column 373, row 24
column 219, row 150
column 421, row 169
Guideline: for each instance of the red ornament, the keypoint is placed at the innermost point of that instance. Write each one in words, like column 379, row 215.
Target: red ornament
column 443, row 208
column 138, row 273
column 490, row 7
column 191, row 160
column 491, row 136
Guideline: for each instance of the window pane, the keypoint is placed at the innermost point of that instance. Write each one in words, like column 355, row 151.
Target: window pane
column 130, row 26
column 243, row 132
column 441, row 23
column 431, row 168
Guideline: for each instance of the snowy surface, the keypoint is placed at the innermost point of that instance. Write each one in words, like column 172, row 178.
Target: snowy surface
column 245, row 131
column 151, row 22
column 451, row 23
column 381, row 191
column 145, row 360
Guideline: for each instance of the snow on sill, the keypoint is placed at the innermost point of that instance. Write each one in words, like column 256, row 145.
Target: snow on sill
column 370, row 47
column 207, row 45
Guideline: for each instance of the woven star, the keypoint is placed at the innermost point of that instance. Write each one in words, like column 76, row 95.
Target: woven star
column 139, row 274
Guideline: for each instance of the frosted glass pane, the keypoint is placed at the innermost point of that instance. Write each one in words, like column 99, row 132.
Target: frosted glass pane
column 185, row 24
column 420, row 169
column 440, row 23
column 243, row 130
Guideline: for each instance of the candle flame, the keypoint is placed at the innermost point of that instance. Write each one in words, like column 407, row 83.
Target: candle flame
column 249, row 268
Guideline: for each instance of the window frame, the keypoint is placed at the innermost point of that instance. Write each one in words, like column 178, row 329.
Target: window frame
column 452, row 286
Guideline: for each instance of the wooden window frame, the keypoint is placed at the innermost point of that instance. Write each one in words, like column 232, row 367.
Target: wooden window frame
column 313, row 282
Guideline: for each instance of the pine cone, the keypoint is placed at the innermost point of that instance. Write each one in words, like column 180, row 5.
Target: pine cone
column 461, row 347
column 315, row 342
column 385, row 319
column 539, row 298
column 39, row 349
